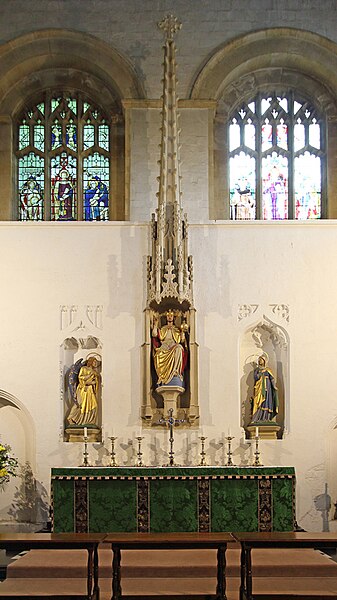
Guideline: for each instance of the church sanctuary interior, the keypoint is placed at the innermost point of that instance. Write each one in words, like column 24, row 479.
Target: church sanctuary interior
column 168, row 243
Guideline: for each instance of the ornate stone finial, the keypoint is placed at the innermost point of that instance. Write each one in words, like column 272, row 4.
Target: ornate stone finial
column 170, row 25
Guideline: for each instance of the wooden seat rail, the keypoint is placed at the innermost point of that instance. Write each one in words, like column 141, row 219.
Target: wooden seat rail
column 168, row 541
column 60, row 541
column 293, row 539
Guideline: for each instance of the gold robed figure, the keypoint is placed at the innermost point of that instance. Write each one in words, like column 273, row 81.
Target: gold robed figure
column 85, row 409
column 170, row 356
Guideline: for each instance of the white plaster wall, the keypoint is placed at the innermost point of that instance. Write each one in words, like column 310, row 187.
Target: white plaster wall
column 44, row 266
column 78, row 265
column 262, row 264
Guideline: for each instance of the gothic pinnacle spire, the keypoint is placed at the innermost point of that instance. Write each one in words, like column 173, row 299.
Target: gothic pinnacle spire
column 170, row 270
column 170, row 314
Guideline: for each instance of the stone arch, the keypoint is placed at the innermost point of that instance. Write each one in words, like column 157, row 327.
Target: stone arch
column 17, row 429
column 27, row 62
column 55, row 58
column 302, row 52
column 280, row 58
column 15, row 406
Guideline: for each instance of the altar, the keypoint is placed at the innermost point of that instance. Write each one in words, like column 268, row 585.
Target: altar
column 172, row 499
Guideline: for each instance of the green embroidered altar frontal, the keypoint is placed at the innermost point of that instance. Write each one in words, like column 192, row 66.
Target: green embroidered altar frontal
column 164, row 499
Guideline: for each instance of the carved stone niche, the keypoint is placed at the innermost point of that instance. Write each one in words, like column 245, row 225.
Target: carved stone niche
column 78, row 352
column 269, row 340
column 162, row 393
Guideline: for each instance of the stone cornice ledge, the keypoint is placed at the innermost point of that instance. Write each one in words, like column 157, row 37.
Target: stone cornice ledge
column 213, row 223
column 318, row 224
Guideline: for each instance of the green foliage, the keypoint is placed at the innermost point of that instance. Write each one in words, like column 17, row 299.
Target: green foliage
column 8, row 464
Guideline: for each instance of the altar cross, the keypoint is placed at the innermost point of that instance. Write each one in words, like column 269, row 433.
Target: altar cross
column 171, row 421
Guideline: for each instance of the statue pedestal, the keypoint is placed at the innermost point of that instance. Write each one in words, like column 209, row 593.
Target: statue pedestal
column 170, row 394
column 267, row 430
column 76, row 433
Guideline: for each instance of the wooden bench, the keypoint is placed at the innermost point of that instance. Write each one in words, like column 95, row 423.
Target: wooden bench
column 251, row 540
column 59, row 541
column 168, row 541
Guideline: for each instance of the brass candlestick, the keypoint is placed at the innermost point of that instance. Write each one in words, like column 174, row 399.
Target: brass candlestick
column 139, row 452
column 85, row 452
column 257, row 462
column 112, row 452
column 202, row 453
column 229, row 462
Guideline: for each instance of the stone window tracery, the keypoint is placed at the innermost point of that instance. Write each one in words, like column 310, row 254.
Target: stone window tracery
column 63, row 152
column 277, row 159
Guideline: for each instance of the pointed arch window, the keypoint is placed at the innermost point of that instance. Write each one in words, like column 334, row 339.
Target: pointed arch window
column 277, row 159
column 63, row 160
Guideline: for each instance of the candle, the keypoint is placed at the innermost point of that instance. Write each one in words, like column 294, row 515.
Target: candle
column 85, row 432
column 229, row 432
column 256, row 432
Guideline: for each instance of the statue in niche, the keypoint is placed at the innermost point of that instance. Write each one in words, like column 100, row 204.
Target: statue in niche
column 170, row 350
column 84, row 386
column 265, row 402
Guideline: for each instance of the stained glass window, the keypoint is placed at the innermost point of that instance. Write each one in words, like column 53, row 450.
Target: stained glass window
column 63, row 158
column 96, row 188
column 276, row 159
column 274, row 187
column 23, row 136
column 31, row 187
column 242, row 185
column 307, row 183
column 88, row 136
column 39, row 137
column 63, row 187
column 103, row 137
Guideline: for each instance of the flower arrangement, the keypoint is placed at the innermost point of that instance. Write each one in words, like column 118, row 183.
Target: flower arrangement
column 8, row 464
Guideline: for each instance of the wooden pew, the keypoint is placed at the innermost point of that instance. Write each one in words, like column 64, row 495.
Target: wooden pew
column 168, row 541
column 59, row 541
column 293, row 539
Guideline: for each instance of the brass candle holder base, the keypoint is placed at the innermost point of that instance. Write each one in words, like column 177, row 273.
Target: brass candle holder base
column 85, row 462
column 139, row 451
column 112, row 452
column 257, row 453
column 203, row 462
column 229, row 462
